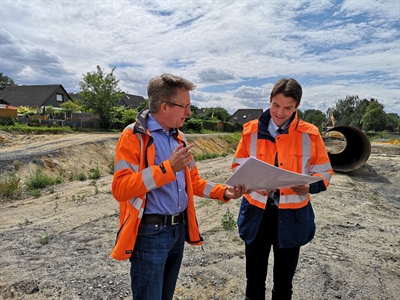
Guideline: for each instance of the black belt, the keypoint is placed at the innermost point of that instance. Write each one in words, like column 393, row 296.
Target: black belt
column 164, row 219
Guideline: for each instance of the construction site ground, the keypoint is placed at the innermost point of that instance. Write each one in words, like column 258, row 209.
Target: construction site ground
column 57, row 246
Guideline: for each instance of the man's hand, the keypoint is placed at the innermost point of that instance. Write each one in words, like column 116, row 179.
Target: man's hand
column 301, row 189
column 180, row 157
column 233, row 192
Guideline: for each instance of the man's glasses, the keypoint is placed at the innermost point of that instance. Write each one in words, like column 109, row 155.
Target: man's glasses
column 187, row 107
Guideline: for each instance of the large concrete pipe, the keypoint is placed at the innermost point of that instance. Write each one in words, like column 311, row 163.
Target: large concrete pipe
column 354, row 154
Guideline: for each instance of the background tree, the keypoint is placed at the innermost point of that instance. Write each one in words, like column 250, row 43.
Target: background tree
column 74, row 106
column 392, row 122
column 122, row 117
column 314, row 116
column 6, row 81
column 374, row 118
column 100, row 93
column 142, row 105
column 216, row 114
column 344, row 109
column 193, row 109
column 300, row 114
column 359, row 110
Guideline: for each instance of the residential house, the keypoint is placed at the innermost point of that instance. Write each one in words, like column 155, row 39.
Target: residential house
column 128, row 101
column 131, row 101
column 244, row 115
column 3, row 102
column 37, row 96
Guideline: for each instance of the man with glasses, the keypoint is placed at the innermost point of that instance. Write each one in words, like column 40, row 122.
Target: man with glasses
column 155, row 180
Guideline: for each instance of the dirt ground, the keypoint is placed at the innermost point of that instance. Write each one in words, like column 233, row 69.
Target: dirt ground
column 354, row 255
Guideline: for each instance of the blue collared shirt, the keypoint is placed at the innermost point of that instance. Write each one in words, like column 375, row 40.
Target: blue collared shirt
column 272, row 128
column 169, row 199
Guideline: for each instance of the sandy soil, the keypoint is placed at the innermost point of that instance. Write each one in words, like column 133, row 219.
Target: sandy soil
column 354, row 255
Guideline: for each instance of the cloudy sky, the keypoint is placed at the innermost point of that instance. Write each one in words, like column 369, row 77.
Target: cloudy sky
column 234, row 51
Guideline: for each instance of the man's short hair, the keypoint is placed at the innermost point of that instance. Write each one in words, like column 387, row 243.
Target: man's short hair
column 163, row 88
column 289, row 87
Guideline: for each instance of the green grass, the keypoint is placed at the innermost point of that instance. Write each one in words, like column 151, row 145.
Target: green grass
column 24, row 128
column 231, row 139
column 204, row 156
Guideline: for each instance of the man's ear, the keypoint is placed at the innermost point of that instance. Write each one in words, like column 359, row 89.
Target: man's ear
column 163, row 106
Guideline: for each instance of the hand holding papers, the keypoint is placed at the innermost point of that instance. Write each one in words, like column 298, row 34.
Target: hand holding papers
column 258, row 175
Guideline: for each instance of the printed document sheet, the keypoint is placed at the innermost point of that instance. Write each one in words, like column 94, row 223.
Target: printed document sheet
column 258, row 175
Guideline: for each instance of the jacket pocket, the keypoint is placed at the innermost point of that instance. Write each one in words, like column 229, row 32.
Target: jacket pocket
column 305, row 214
column 248, row 220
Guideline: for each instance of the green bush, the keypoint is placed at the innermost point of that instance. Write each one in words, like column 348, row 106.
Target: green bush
column 7, row 121
column 39, row 180
column 11, row 186
column 82, row 177
column 210, row 125
column 194, row 124
column 232, row 127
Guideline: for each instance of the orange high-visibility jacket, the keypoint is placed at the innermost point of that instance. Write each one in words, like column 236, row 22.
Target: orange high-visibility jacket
column 135, row 174
column 301, row 150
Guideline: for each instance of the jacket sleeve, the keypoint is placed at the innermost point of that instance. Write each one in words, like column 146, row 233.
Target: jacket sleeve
column 131, row 178
column 241, row 153
column 204, row 188
column 320, row 166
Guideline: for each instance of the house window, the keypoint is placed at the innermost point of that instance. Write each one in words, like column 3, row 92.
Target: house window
column 234, row 118
column 244, row 116
column 59, row 97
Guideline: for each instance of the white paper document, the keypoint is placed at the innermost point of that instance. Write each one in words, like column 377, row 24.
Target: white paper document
column 258, row 175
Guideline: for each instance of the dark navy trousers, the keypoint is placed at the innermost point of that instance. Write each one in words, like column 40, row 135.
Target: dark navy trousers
column 257, row 254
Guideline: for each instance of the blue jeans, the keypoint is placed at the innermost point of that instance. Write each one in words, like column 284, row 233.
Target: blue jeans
column 156, row 261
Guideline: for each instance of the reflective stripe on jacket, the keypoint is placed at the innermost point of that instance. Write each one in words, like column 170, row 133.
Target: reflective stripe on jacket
column 135, row 174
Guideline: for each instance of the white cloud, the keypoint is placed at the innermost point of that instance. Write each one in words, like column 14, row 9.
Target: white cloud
column 334, row 49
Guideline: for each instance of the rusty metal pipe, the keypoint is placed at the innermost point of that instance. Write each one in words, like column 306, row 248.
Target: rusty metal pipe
column 355, row 153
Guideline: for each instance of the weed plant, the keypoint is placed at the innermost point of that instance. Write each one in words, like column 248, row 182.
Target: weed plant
column 39, row 180
column 44, row 240
column 17, row 164
column 94, row 173
column 11, row 186
column 111, row 167
column 82, row 177
column 228, row 222
column 36, row 193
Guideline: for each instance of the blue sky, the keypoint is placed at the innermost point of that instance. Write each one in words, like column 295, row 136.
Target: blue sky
column 234, row 51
